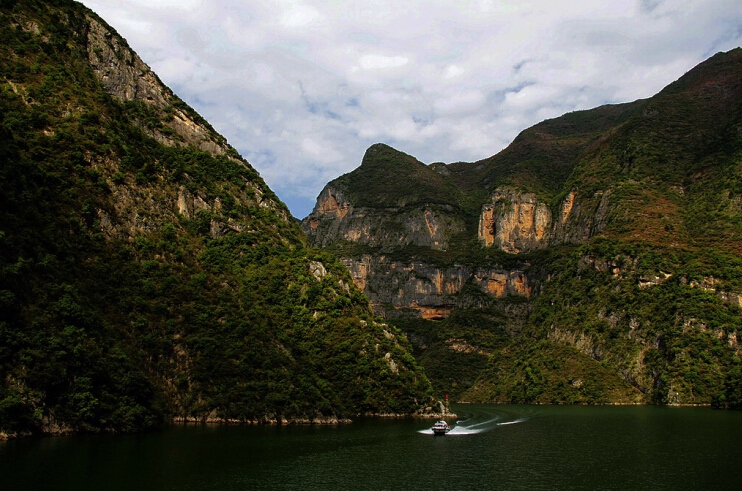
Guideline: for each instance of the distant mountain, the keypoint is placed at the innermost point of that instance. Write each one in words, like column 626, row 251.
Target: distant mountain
column 596, row 259
column 147, row 273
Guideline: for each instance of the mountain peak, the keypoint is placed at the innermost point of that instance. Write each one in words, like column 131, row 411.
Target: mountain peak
column 566, row 256
column 382, row 155
column 388, row 177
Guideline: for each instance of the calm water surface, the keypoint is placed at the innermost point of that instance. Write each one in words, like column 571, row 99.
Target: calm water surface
column 492, row 447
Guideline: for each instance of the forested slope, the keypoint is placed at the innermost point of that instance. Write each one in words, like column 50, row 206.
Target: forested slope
column 146, row 270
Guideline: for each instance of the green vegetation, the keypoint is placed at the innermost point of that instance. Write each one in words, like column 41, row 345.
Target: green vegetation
column 615, row 322
column 140, row 281
column 388, row 178
column 635, row 313
column 454, row 351
column 637, row 296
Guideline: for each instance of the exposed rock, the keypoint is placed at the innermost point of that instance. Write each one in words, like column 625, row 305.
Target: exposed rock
column 463, row 346
column 430, row 291
column 392, row 364
column 125, row 76
column 580, row 218
column 584, row 343
column 122, row 73
column 517, row 222
column 331, row 201
column 500, row 283
column 335, row 218
column 317, row 269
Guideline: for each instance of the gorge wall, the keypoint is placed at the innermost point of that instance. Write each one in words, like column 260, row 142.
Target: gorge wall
column 517, row 222
column 512, row 222
column 335, row 218
column 147, row 272
column 399, row 289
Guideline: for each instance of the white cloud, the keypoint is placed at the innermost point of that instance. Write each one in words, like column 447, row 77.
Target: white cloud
column 370, row 62
column 299, row 16
column 302, row 87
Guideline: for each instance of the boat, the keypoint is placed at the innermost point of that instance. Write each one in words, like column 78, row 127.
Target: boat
column 440, row 428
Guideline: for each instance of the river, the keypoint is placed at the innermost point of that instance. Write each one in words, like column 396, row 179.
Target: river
column 490, row 448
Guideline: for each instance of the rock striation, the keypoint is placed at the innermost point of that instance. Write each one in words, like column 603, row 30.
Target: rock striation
column 517, row 222
column 398, row 289
column 125, row 76
column 335, row 218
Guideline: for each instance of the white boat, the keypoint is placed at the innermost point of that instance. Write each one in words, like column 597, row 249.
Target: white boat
column 440, row 428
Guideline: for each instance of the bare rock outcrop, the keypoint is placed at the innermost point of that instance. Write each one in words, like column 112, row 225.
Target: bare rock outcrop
column 517, row 222
column 335, row 218
column 144, row 205
column 396, row 288
column 125, row 76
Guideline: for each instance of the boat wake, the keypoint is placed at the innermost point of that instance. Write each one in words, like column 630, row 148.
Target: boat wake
column 512, row 422
column 462, row 428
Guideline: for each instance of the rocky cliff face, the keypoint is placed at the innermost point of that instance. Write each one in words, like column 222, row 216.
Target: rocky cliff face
column 513, row 222
column 574, row 265
column 399, row 289
column 125, row 76
column 335, row 218
column 140, row 207
column 517, row 222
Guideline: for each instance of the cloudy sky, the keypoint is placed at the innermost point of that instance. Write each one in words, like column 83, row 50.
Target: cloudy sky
column 302, row 87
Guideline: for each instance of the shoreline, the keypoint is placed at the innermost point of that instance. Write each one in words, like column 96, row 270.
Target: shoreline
column 270, row 420
column 590, row 404
column 323, row 421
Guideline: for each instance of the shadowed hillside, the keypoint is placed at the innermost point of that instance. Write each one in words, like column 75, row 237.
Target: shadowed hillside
column 146, row 270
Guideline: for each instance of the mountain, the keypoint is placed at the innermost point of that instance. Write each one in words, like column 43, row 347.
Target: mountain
column 596, row 259
column 147, row 273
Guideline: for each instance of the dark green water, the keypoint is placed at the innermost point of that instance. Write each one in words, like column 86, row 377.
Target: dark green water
column 496, row 448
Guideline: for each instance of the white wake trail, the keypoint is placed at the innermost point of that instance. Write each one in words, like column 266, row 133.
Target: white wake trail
column 474, row 428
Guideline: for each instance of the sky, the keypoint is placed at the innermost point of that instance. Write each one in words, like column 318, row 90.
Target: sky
column 301, row 88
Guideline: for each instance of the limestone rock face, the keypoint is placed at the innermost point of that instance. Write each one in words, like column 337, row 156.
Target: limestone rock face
column 125, row 76
column 140, row 207
column 122, row 73
column 581, row 217
column 335, row 218
column 517, row 222
column 397, row 288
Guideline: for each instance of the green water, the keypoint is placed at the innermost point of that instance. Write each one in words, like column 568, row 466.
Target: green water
column 492, row 448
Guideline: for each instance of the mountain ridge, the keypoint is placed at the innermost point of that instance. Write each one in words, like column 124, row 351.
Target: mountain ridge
column 622, row 203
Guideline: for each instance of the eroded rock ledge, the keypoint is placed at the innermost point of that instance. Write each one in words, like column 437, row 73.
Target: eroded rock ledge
column 431, row 291
column 517, row 222
column 335, row 218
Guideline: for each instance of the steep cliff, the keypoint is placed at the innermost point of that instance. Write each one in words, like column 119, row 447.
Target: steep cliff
column 146, row 270
column 399, row 289
column 574, row 257
column 383, row 214
column 517, row 222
